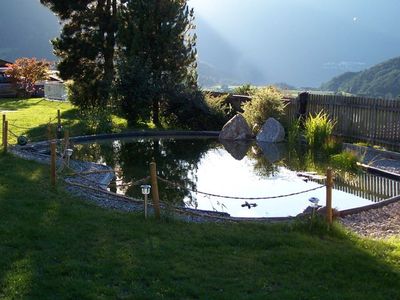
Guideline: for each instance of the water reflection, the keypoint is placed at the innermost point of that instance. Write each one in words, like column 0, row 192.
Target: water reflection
column 237, row 149
column 233, row 168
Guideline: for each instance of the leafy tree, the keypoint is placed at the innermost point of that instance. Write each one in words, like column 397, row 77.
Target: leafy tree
column 25, row 72
column 86, row 48
column 157, row 59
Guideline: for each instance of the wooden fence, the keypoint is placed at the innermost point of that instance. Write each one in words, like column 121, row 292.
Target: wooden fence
column 374, row 120
column 369, row 186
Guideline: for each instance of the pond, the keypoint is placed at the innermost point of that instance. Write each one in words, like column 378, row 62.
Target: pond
column 234, row 169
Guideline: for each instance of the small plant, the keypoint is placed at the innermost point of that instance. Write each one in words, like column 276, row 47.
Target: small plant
column 266, row 102
column 294, row 132
column 318, row 129
column 345, row 161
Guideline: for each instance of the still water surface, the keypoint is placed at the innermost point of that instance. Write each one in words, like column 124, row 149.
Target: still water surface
column 247, row 170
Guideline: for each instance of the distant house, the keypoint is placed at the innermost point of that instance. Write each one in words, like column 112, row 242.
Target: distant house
column 6, row 87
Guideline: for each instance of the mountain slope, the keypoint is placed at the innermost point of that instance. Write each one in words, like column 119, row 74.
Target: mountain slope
column 382, row 80
column 26, row 28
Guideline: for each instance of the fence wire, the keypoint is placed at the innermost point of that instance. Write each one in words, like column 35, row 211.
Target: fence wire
column 234, row 197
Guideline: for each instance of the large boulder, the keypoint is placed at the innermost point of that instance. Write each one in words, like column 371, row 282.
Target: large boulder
column 236, row 129
column 271, row 132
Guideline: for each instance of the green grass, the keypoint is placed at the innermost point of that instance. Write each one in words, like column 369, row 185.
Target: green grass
column 54, row 246
column 30, row 117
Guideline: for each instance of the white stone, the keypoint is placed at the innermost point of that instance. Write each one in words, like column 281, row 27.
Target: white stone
column 271, row 132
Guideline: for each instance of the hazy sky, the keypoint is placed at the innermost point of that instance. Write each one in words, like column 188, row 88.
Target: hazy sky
column 302, row 42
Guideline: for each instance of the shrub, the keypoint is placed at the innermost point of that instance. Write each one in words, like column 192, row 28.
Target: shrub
column 219, row 108
column 345, row 161
column 245, row 89
column 294, row 132
column 318, row 129
column 266, row 102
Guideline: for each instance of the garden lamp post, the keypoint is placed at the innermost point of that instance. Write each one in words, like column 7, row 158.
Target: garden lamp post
column 145, row 191
column 69, row 154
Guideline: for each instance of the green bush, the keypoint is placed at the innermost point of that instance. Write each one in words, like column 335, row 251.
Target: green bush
column 345, row 161
column 245, row 89
column 266, row 103
column 318, row 129
column 219, row 108
column 294, row 132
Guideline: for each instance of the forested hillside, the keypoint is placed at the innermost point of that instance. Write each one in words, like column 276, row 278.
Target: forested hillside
column 382, row 80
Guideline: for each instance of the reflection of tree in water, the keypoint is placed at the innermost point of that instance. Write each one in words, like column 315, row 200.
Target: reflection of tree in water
column 176, row 159
column 262, row 166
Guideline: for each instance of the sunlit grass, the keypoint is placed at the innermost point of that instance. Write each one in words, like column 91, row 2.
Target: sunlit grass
column 30, row 117
column 54, row 246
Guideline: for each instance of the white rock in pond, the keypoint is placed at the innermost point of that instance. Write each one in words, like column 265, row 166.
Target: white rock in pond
column 271, row 132
column 236, row 129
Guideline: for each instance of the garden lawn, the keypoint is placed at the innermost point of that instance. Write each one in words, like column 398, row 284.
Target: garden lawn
column 54, row 246
column 30, row 117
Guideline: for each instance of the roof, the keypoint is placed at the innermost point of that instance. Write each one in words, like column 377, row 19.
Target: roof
column 3, row 63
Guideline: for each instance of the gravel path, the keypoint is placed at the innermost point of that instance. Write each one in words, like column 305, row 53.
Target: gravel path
column 382, row 222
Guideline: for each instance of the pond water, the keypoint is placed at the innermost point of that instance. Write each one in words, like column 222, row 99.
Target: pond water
column 236, row 169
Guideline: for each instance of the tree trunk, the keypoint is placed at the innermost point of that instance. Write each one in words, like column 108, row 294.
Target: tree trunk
column 156, row 112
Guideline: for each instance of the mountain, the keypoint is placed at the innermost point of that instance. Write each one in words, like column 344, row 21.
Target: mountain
column 260, row 42
column 382, row 80
column 26, row 28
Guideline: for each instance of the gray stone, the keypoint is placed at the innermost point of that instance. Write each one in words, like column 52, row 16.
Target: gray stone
column 271, row 132
column 236, row 129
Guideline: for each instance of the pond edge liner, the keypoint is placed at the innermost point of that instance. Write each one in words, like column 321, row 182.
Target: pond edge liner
column 167, row 133
column 22, row 152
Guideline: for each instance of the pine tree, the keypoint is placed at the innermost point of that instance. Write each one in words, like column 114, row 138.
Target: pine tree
column 157, row 58
column 86, row 48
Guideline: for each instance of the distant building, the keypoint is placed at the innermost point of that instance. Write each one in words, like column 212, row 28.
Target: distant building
column 54, row 88
column 7, row 89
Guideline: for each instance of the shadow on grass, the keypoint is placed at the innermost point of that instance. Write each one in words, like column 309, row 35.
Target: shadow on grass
column 18, row 103
column 55, row 246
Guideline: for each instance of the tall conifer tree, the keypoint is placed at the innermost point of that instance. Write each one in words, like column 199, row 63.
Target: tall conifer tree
column 86, row 48
column 157, row 59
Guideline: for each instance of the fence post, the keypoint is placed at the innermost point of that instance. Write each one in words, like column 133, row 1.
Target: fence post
column 5, row 136
column 154, row 189
column 2, row 127
column 59, row 126
column 53, row 163
column 303, row 101
column 329, row 186
column 58, row 117
column 66, row 140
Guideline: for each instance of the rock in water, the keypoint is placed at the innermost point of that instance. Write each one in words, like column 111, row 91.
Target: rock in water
column 271, row 132
column 236, row 129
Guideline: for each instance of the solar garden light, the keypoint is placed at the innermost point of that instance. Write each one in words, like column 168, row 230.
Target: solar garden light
column 314, row 201
column 69, row 154
column 145, row 191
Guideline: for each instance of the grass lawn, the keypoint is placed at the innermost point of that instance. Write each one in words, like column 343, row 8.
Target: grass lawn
column 30, row 117
column 54, row 246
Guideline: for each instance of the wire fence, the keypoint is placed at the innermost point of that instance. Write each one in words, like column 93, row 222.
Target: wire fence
column 236, row 197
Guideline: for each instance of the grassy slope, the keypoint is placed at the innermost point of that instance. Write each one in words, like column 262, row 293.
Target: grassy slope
column 55, row 246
